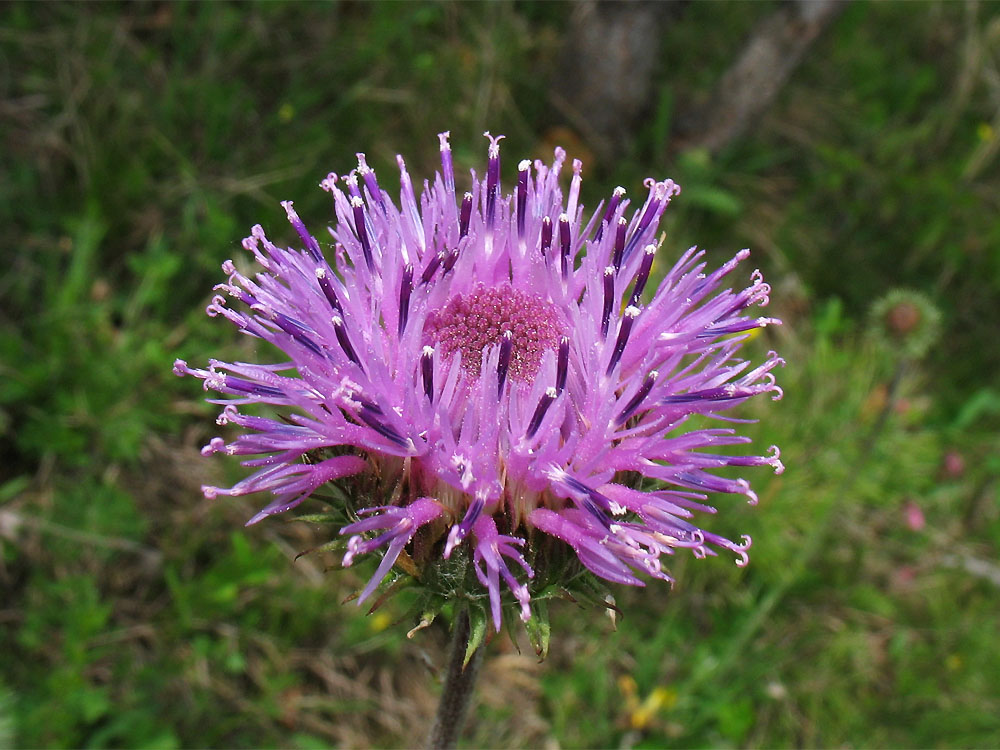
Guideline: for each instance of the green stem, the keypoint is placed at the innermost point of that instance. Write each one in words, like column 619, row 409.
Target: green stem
column 458, row 685
column 891, row 398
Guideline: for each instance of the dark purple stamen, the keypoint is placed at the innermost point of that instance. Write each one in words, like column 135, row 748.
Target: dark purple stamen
column 643, row 275
column 451, row 259
column 405, row 288
column 242, row 296
column 352, row 187
column 492, row 182
column 609, row 299
column 582, row 489
column 427, row 371
column 593, row 501
column 323, row 276
column 503, row 364
column 638, row 398
column 738, row 327
column 297, row 331
column 370, row 418
column 370, row 405
column 722, row 393
column 619, row 253
column 472, row 514
column 543, row 406
column 466, row 215
column 290, row 325
column 616, row 198
column 358, row 206
column 564, row 240
column 428, row 273
column 647, row 216
column 709, row 482
column 591, row 507
column 562, row 364
column 623, row 333
column 345, row 342
column 461, row 530
column 368, row 175
column 250, row 388
column 546, row 235
column 522, row 195
column 310, row 242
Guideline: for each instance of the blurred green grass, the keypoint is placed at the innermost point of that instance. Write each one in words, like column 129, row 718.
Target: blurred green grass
column 141, row 141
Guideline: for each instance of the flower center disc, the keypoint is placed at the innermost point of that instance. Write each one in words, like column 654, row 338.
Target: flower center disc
column 470, row 323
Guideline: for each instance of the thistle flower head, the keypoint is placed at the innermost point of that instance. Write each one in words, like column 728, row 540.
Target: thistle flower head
column 906, row 321
column 488, row 378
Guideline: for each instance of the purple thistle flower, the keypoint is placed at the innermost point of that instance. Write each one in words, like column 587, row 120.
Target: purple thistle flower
column 494, row 362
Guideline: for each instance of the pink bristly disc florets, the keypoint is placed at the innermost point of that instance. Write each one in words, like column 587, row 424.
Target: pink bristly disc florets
column 500, row 358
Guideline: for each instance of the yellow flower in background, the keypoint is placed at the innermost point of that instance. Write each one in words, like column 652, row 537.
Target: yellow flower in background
column 641, row 713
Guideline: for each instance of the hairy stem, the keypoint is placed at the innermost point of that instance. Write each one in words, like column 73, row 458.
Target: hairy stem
column 458, row 686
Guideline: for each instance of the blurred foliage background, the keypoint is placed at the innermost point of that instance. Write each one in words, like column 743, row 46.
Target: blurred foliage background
column 140, row 142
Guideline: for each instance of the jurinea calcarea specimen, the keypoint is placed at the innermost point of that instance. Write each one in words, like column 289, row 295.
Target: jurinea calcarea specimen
column 490, row 377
